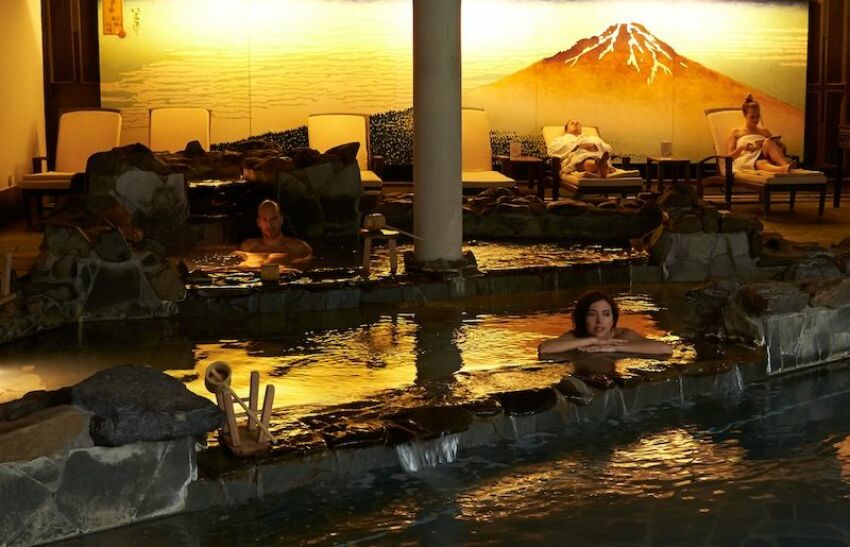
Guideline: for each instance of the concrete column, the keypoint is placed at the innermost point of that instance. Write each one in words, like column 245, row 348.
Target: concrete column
column 437, row 215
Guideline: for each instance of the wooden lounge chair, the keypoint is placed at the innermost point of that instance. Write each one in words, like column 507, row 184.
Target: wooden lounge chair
column 81, row 134
column 625, row 181
column 171, row 128
column 324, row 131
column 721, row 121
column 477, row 171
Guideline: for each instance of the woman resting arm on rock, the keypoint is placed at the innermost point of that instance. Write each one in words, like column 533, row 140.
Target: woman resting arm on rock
column 595, row 330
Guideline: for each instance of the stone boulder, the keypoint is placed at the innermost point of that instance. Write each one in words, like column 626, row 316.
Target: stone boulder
column 322, row 199
column 771, row 298
column 43, row 433
column 133, row 403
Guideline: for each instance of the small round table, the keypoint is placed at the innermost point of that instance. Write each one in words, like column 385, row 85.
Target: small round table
column 676, row 167
column 532, row 166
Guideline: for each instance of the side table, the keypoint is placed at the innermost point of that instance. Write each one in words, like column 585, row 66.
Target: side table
column 676, row 167
column 530, row 166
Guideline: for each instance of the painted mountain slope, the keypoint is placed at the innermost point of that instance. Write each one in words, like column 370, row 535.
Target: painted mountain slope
column 632, row 85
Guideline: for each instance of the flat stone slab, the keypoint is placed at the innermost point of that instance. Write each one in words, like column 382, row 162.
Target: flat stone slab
column 133, row 403
column 44, row 432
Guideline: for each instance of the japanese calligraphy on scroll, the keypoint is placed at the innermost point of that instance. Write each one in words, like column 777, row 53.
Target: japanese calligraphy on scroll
column 113, row 18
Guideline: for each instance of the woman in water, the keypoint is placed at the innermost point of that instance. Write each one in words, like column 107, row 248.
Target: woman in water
column 753, row 147
column 595, row 330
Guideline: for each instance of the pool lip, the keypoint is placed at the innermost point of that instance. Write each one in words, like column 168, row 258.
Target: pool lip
column 210, row 478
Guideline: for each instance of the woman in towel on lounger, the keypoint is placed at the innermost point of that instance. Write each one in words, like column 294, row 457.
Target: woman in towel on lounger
column 753, row 147
column 579, row 152
column 595, row 330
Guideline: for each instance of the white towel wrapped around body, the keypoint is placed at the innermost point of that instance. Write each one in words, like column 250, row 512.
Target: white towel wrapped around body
column 568, row 148
column 747, row 160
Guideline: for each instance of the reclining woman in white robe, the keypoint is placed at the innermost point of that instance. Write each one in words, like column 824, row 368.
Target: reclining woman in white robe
column 579, row 152
column 753, row 147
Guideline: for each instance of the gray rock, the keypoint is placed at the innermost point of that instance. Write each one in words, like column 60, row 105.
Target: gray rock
column 112, row 247
column 43, row 433
column 116, row 283
column 714, row 294
column 771, row 298
column 686, row 224
column 575, row 389
column 167, row 285
column 679, row 195
column 812, row 268
column 738, row 325
column 566, row 207
column 527, row 401
column 61, row 240
column 133, row 403
column 133, row 482
column 737, row 222
column 21, row 497
column 710, row 218
column 65, row 267
column 829, row 293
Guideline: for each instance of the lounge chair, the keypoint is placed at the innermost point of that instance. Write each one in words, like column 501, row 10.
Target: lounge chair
column 171, row 128
column 477, row 171
column 721, row 121
column 81, row 134
column 324, row 131
column 623, row 181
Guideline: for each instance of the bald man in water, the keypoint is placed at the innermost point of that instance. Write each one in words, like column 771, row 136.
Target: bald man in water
column 269, row 221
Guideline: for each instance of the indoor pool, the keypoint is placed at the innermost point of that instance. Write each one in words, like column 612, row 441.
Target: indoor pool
column 335, row 357
column 769, row 465
column 345, row 260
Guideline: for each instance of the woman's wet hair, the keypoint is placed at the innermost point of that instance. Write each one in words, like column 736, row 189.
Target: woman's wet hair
column 583, row 307
column 749, row 104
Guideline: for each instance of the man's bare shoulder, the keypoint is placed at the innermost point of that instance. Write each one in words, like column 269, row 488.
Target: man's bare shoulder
column 251, row 244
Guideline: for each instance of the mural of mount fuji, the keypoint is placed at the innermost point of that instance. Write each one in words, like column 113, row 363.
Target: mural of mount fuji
column 635, row 87
column 641, row 70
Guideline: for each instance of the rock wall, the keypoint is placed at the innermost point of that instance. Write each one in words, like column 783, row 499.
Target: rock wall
column 101, row 454
column 503, row 213
column 800, row 322
column 696, row 241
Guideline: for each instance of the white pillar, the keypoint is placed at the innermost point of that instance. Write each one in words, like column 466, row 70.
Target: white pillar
column 437, row 215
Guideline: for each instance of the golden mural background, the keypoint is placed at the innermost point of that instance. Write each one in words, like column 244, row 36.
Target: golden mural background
column 264, row 65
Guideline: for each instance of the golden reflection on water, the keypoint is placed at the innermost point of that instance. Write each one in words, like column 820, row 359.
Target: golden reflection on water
column 329, row 367
column 660, row 465
column 345, row 365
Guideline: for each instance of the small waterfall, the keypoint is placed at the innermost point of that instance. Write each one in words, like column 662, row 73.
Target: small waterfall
column 416, row 456
column 622, row 400
column 729, row 384
column 522, row 426
column 681, row 390
column 767, row 346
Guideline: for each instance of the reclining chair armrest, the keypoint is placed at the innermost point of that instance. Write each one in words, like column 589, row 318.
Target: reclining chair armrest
column 39, row 164
column 625, row 161
column 377, row 165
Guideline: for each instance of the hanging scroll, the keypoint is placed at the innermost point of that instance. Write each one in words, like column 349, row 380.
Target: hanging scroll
column 113, row 18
